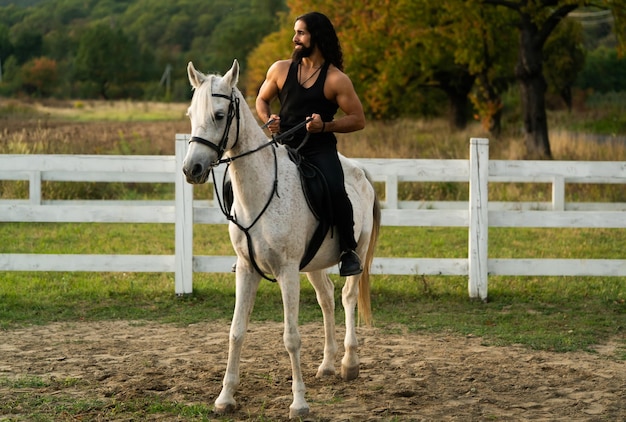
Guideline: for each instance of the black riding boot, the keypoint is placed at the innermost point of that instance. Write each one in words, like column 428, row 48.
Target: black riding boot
column 349, row 263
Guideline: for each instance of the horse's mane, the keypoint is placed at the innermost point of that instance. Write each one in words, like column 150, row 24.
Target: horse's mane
column 201, row 101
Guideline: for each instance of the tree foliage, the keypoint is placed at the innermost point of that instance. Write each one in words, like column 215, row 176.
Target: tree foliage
column 413, row 54
column 399, row 52
column 40, row 76
column 564, row 59
column 405, row 57
column 536, row 21
column 152, row 34
column 605, row 62
column 94, row 59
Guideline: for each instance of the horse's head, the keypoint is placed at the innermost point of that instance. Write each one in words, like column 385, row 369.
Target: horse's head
column 214, row 110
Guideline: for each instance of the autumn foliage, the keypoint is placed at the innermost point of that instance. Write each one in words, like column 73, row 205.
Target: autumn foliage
column 40, row 76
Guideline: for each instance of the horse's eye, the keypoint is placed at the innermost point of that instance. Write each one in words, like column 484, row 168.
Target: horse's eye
column 219, row 115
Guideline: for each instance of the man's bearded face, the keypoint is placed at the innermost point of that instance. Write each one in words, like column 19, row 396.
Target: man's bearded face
column 301, row 51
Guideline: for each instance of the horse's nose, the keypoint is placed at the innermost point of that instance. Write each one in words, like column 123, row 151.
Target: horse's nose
column 197, row 170
column 193, row 171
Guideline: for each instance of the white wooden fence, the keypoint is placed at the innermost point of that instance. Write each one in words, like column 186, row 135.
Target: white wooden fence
column 477, row 215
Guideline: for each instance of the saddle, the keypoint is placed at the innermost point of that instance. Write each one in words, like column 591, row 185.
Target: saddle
column 317, row 196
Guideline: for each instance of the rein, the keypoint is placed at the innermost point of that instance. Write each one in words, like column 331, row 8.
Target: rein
column 233, row 112
column 233, row 218
column 275, row 140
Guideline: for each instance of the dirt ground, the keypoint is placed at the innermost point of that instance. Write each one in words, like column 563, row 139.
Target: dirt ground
column 403, row 376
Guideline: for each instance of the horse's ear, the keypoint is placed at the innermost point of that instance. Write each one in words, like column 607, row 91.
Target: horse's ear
column 195, row 78
column 232, row 76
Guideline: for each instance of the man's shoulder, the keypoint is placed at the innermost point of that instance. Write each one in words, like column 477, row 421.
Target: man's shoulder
column 335, row 71
column 278, row 70
column 281, row 65
column 337, row 77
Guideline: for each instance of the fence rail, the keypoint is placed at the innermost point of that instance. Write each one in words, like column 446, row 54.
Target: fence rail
column 477, row 214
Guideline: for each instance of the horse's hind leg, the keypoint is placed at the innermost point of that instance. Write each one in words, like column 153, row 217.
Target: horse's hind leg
column 349, row 297
column 247, row 283
column 324, row 288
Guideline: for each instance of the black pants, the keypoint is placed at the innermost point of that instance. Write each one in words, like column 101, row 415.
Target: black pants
column 324, row 156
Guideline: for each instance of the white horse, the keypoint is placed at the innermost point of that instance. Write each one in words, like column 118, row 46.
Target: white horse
column 270, row 226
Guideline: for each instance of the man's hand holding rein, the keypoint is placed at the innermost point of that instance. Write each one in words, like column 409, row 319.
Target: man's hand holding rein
column 317, row 125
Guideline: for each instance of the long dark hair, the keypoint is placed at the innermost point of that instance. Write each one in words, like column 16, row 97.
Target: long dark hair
column 324, row 36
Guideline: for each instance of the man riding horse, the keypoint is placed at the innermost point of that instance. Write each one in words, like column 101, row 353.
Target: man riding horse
column 312, row 85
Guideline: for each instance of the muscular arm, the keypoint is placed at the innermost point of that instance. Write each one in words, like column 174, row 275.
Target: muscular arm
column 339, row 86
column 269, row 91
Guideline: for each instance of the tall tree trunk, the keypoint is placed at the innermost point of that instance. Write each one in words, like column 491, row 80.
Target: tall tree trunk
column 566, row 95
column 459, row 110
column 457, row 84
column 529, row 73
column 103, row 90
column 534, row 31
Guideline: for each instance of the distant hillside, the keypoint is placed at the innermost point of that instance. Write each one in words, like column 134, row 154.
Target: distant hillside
column 21, row 3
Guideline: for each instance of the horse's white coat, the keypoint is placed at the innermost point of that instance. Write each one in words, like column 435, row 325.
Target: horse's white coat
column 280, row 236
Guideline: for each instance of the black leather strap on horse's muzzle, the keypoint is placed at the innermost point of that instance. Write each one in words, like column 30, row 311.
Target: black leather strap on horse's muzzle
column 206, row 143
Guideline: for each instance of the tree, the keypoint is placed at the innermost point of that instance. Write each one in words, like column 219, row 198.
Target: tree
column 273, row 47
column 105, row 56
column 383, row 53
column 536, row 20
column 481, row 40
column 6, row 48
column 565, row 59
column 604, row 71
column 40, row 76
column 226, row 42
column 413, row 51
column 396, row 51
column 27, row 44
column 160, row 32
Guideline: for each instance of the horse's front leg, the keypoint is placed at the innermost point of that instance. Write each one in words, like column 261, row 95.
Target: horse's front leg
column 289, row 282
column 324, row 289
column 247, row 284
column 349, row 297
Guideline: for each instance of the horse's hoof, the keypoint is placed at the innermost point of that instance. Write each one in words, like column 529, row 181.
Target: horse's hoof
column 298, row 413
column 323, row 373
column 349, row 373
column 222, row 409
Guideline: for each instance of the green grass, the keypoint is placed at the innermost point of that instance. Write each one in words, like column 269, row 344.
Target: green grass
column 52, row 399
column 612, row 120
column 550, row 313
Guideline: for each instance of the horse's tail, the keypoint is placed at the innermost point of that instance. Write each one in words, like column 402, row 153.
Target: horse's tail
column 364, row 302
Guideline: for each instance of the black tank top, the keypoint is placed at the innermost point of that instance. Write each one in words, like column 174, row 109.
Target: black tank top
column 298, row 102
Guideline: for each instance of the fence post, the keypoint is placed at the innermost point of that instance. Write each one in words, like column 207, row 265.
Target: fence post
column 558, row 193
column 478, row 216
column 34, row 188
column 183, row 278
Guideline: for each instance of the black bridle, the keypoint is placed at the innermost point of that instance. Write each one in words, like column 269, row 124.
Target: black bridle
column 233, row 113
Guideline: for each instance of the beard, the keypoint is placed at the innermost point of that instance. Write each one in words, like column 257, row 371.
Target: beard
column 300, row 53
